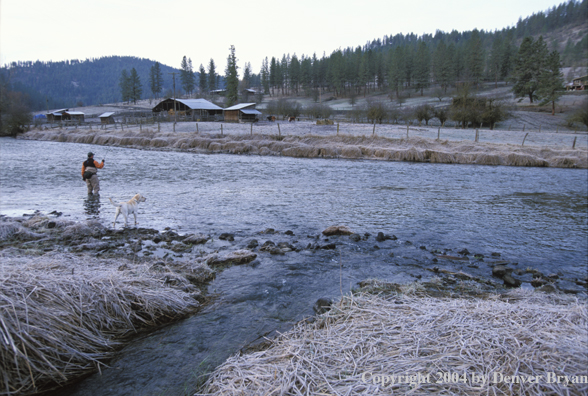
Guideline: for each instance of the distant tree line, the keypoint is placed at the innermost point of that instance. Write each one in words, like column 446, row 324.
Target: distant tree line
column 398, row 64
column 402, row 62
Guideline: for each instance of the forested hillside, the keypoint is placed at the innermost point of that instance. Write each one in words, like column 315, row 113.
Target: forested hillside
column 402, row 62
column 394, row 64
column 76, row 83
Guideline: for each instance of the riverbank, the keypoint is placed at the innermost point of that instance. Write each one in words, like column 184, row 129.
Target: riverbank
column 405, row 340
column 355, row 141
column 75, row 292
column 67, row 302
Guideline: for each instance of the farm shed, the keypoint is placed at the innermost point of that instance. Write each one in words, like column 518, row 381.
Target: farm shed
column 197, row 109
column 242, row 112
column 107, row 118
column 73, row 115
column 56, row 115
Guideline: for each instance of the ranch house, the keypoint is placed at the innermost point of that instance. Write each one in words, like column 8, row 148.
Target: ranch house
column 243, row 112
column 196, row 109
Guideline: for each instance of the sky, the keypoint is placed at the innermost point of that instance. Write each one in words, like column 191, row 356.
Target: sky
column 167, row 30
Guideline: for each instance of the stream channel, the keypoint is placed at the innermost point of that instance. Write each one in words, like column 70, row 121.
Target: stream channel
column 532, row 217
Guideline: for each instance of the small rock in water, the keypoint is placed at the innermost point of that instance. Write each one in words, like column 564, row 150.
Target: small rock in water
column 322, row 305
column 227, row 237
column 252, row 244
column 549, row 288
column 464, row 252
column 289, row 233
column 337, row 230
column 355, row 237
column 193, row 239
column 510, row 281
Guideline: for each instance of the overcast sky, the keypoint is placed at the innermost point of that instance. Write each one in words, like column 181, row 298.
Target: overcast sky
column 166, row 30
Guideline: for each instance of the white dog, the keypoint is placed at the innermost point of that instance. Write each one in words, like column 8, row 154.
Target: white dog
column 126, row 208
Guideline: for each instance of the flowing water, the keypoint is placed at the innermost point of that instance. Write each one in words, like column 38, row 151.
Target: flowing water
column 533, row 216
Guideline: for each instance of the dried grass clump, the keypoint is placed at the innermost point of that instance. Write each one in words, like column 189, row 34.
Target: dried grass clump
column 60, row 315
column 358, row 346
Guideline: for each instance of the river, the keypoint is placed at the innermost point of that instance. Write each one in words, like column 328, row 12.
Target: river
column 532, row 216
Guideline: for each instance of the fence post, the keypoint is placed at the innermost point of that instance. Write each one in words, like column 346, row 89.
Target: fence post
column 408, row 126
column 374, row 131
column 574, row 145
column 438, row 133
column 525, row 138
column 337, row 129
column 221, row 129
column 279, row 132
column 477, row 134
column 158, row 127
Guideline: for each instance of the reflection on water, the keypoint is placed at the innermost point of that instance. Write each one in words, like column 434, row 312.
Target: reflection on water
column 92, row 206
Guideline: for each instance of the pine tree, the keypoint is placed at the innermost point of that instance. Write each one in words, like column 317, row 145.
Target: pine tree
column 135, row 87
column 265, row 76
column 187, row 75
column 528, row 64
column 273, row 77
column 294, row 73
column 475, row 57
column 396, row 70
column 247, row 76
column 232, row 78
column 155, row 79
column 211, row 75
column 203, row 81
column 125, row 86
column 551, row 83
column 495, row 61
column 423, row 67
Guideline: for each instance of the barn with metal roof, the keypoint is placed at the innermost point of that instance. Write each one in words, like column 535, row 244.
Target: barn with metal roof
column 245, row 112
column 198, row 109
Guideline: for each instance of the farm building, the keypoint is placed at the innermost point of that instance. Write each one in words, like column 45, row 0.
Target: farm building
column 197, row 109
column 56, row 115
column 245, row 112
column 107, row 118
column 73, row 115
column 64, row 114
column 578, row 84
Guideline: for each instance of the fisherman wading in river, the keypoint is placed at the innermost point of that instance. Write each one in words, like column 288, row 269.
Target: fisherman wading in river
column 90, row 173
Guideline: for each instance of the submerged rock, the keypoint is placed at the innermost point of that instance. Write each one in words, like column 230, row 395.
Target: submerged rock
column 322, row 305
column 195, row 239
column 227, row 237
column 234, row 258
column 337, row 230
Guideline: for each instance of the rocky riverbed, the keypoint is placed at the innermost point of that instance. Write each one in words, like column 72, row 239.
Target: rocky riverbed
column 188, row 263
column 169, row 251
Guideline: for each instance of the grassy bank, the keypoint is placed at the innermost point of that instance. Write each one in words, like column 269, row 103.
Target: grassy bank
column 404, row 341
column 390, row 143
column 62, row 315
